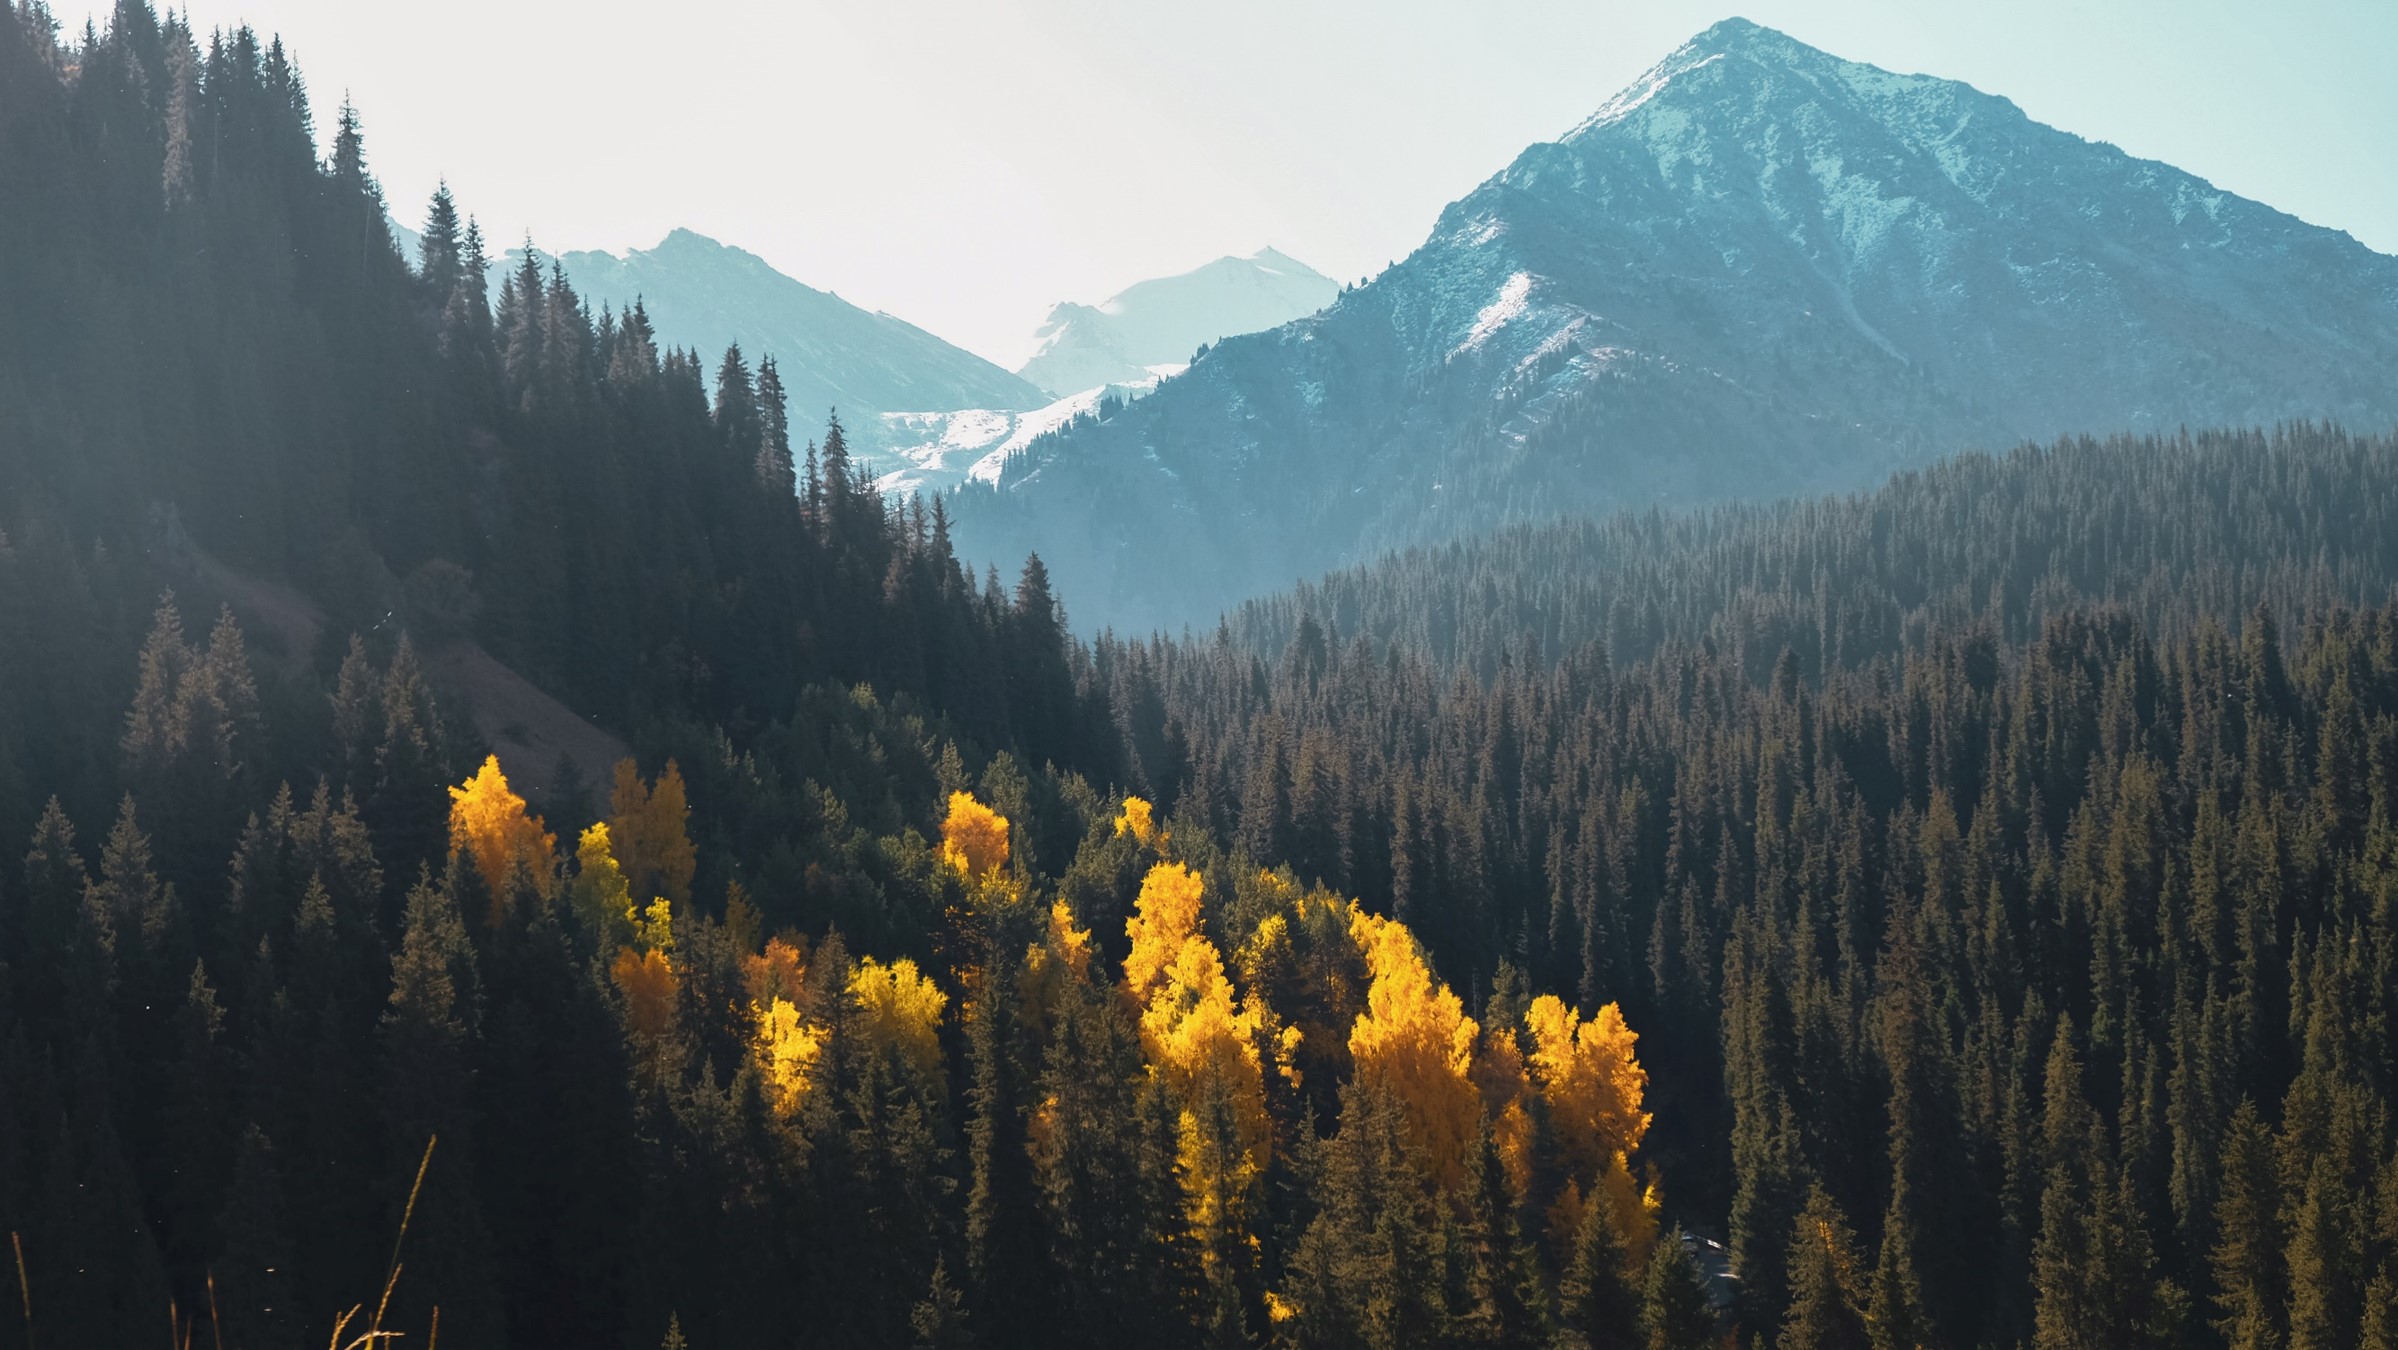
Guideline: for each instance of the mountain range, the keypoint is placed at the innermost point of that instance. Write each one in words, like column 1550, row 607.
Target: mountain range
column 832, row 354
column 920, row 411
column 1152, row 328
column 1760, row 269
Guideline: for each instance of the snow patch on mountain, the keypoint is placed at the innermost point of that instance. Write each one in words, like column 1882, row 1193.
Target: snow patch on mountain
column 936, row 451
column 1506, row 309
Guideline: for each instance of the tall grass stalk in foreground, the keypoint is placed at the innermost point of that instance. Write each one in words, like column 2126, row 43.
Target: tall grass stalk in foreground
column 374, row 1333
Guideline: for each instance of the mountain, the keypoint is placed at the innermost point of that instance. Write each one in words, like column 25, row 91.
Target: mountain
column 1160, row 322
column 1760, row 269
column 833, row 355
column 937, row 451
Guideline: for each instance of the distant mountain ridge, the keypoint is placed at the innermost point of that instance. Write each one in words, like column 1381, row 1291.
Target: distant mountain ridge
column 1758, row 270
column 1153, row 327
column 832, row 354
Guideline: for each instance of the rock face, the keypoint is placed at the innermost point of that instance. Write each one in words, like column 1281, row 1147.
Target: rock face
column 1152, row 328
column 1759, row 270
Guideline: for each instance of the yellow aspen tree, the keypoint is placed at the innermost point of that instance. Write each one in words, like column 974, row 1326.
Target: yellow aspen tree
column 899, row 1013
column 489, row 823
column 787, row 1048
column 786, row 1040
column 1415, row 1042
column 1068, row 944
column 974, row 837
column 1136, row 820
column 1592, row 1084
column 1204, row 1046
column 601, row 897
column 1165, row 916
column 649, row 832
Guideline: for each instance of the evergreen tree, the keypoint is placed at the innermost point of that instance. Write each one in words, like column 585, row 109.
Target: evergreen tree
column 1826, row 1278
column 1598, row 1306
column 1673, row 1305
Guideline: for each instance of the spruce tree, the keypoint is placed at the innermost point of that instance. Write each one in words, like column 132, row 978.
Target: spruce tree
column 1674, row 1311
column 2251, row 1284
column 1598, row 1306
column 1826, row 1309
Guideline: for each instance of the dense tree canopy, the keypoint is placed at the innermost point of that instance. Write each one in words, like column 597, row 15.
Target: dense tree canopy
column 1963, row 914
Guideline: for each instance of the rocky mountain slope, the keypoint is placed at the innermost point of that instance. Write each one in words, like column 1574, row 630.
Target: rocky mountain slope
column 1760, row 269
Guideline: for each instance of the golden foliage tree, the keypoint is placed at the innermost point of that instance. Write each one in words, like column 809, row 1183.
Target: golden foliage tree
column 601, row 896
column 787, row 1040
column 489, row 823
column 1136, row 819
column 648, row 832
column 1415, row 1043
column 973, row 837
column 899, row 1013
column 1592, row 1085
column 1204, row 1045
column 787, row 1048
column 1165, row 916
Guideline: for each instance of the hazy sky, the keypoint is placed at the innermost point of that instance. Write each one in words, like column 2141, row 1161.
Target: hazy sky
column 966, row 163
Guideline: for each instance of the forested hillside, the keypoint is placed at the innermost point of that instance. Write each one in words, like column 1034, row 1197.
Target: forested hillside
column 1974, row 903
column 1997, row 867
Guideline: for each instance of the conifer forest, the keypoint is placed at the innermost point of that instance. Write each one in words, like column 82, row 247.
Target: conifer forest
column 511, row 838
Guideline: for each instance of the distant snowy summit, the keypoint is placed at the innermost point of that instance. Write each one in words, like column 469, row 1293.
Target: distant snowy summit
column 1094, row 358
column 1155, row 324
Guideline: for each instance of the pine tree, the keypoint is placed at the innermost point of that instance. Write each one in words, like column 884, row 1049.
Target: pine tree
column 1598, row 1306
column 1673, row 1304
column 1826, row 1282
column 2251, row 1284
column 438, row 250
column 349, row 147
column 773, row 466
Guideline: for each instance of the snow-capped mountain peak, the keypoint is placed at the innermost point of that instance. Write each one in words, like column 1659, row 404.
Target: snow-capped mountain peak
column 1758, row 269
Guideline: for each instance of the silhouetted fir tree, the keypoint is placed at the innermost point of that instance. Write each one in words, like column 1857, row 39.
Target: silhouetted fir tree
column 438, row 259
column 772, row 464
column 1504, row 1301
column 736, row 405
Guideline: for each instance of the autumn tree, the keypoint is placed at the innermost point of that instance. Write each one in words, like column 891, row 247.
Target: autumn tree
column 1591, row 1086
column 649, row 835
column 1202, row 1045
column 1415, row 1044
column 974, row 838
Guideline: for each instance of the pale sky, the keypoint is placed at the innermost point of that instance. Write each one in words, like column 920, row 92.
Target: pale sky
column 964, row 164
